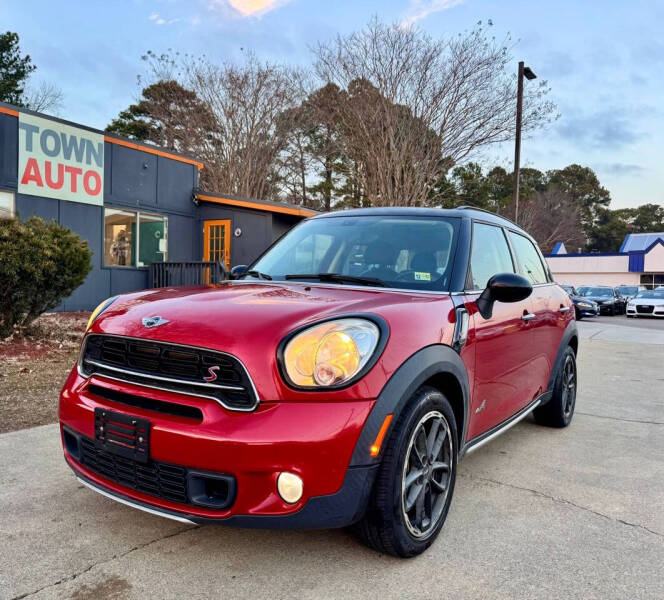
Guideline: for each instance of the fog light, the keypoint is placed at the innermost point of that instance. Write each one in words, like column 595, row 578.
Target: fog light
column 290, row 487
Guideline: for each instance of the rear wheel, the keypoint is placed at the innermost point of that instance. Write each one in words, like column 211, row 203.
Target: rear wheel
column 415, row 480
column 558, row 411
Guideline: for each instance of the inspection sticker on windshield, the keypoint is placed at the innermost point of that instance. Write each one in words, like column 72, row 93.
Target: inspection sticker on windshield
column 419, row 276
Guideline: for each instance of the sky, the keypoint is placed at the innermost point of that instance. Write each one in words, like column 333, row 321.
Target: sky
column 603, row 60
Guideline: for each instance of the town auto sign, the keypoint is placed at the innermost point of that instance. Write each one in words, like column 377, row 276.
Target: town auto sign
column 60, row 161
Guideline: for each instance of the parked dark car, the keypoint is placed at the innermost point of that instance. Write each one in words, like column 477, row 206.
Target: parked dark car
column 583, row 307
column 608, row 298
column 627, row 292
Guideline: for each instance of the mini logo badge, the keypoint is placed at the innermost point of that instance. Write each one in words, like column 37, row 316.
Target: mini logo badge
column 154, row 321
column 212, row 374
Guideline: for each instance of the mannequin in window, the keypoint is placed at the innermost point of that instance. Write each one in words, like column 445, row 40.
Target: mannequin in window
column 121, row 248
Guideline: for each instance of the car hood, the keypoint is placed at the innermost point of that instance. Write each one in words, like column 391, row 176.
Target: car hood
column 648, row 301
column 583, row 299
column 227, row 315
column 597, row 298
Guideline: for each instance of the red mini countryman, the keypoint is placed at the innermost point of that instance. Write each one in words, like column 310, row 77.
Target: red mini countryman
column 335, row 382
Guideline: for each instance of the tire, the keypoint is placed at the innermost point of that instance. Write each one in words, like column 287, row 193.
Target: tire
column 613, row 310
column 558, row 411
column 388, row 525
column 578, row 314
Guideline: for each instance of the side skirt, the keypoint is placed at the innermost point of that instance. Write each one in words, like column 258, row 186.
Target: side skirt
column 494, row 432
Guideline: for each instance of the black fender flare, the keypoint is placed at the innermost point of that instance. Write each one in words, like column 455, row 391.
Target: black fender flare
column 415, row 371
column 570, row 332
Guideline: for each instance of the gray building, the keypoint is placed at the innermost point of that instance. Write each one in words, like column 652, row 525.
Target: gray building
column 134, row 203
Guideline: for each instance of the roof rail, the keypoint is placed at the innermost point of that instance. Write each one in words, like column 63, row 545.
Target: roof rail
column 468, row 207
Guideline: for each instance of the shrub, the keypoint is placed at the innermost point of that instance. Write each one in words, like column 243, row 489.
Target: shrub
column 40, row 265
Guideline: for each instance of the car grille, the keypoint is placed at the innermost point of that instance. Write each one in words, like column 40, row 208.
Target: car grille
column 171, row 367
column 158, row 479
column 154, row 478
column 644, row 309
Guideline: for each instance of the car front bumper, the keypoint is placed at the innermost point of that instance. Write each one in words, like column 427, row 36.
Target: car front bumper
column 314, row 440
column 658, row 311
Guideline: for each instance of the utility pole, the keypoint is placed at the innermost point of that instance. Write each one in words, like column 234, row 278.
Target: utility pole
column 527, row 72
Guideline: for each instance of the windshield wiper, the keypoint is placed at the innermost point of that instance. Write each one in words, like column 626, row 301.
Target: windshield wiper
column 337, row 277
column 258, row 275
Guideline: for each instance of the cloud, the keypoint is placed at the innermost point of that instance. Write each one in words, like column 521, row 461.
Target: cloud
column 421, row 9
column 255, row 8
column 609, row 128
column 619, row 169
column 159, row 20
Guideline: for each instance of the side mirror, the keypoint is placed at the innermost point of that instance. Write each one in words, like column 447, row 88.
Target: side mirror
column 238, row 270
column 503, row 287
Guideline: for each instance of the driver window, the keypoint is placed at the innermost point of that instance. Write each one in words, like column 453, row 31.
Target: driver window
column 490, row 255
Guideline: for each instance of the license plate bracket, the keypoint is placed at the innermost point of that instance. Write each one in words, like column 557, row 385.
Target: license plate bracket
column 121, row 434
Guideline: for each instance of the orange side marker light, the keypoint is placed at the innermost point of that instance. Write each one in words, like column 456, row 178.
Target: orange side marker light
column 378, row 442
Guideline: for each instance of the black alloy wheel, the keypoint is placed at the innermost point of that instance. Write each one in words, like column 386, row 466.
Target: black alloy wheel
column 425, row 480
column 415, row 481
column 559, row 410
column 569, row 386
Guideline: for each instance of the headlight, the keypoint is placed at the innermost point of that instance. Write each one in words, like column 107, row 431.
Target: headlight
column 330, row 353
column 585, row 305
column 100, row 309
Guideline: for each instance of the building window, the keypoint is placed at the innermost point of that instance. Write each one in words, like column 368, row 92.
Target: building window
column 652, row 280
column 6, row 205
column 134, row 239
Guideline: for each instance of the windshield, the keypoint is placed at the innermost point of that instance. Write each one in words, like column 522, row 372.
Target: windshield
column 652, row 294
column 399, row 252
column 568, row 288
column 595, row 291
column 628, row 290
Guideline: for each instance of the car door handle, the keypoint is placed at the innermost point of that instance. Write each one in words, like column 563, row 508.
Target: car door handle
column 563, row 309
column 528, row 317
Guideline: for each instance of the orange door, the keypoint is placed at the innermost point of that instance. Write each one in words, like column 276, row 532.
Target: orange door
column 217, row 241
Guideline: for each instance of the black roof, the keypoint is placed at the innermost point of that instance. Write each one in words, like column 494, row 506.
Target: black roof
column 467, row 212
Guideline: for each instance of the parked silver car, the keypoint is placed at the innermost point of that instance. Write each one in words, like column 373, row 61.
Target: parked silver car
column 647, row 303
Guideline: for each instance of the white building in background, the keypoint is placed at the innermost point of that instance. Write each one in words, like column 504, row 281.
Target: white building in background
column 640, row 261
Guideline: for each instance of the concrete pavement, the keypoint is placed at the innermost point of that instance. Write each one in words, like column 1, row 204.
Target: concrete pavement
column 622, row 329
column 537, row 513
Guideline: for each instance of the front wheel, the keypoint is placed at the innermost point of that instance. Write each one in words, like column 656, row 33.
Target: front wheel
column 415, row 480
column 558, row 411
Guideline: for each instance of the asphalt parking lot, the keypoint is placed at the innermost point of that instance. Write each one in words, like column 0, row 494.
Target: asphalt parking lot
column 537, row 513
column 649, row 323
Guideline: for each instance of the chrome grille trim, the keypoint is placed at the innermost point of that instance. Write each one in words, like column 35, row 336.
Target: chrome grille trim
column 165, row 380
column 168, row 379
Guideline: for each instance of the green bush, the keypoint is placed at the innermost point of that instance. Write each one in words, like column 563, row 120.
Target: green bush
column 40, row 265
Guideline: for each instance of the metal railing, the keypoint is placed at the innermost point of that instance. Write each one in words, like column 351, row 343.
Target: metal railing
column 169, row 274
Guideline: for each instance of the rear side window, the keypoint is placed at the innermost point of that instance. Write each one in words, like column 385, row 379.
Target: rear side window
column 528, row 259
column 490, row 255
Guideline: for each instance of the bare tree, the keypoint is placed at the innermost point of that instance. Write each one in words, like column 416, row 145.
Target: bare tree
column 416, row 105
column 552, row 216
column 43, row 97
column 250, row 104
